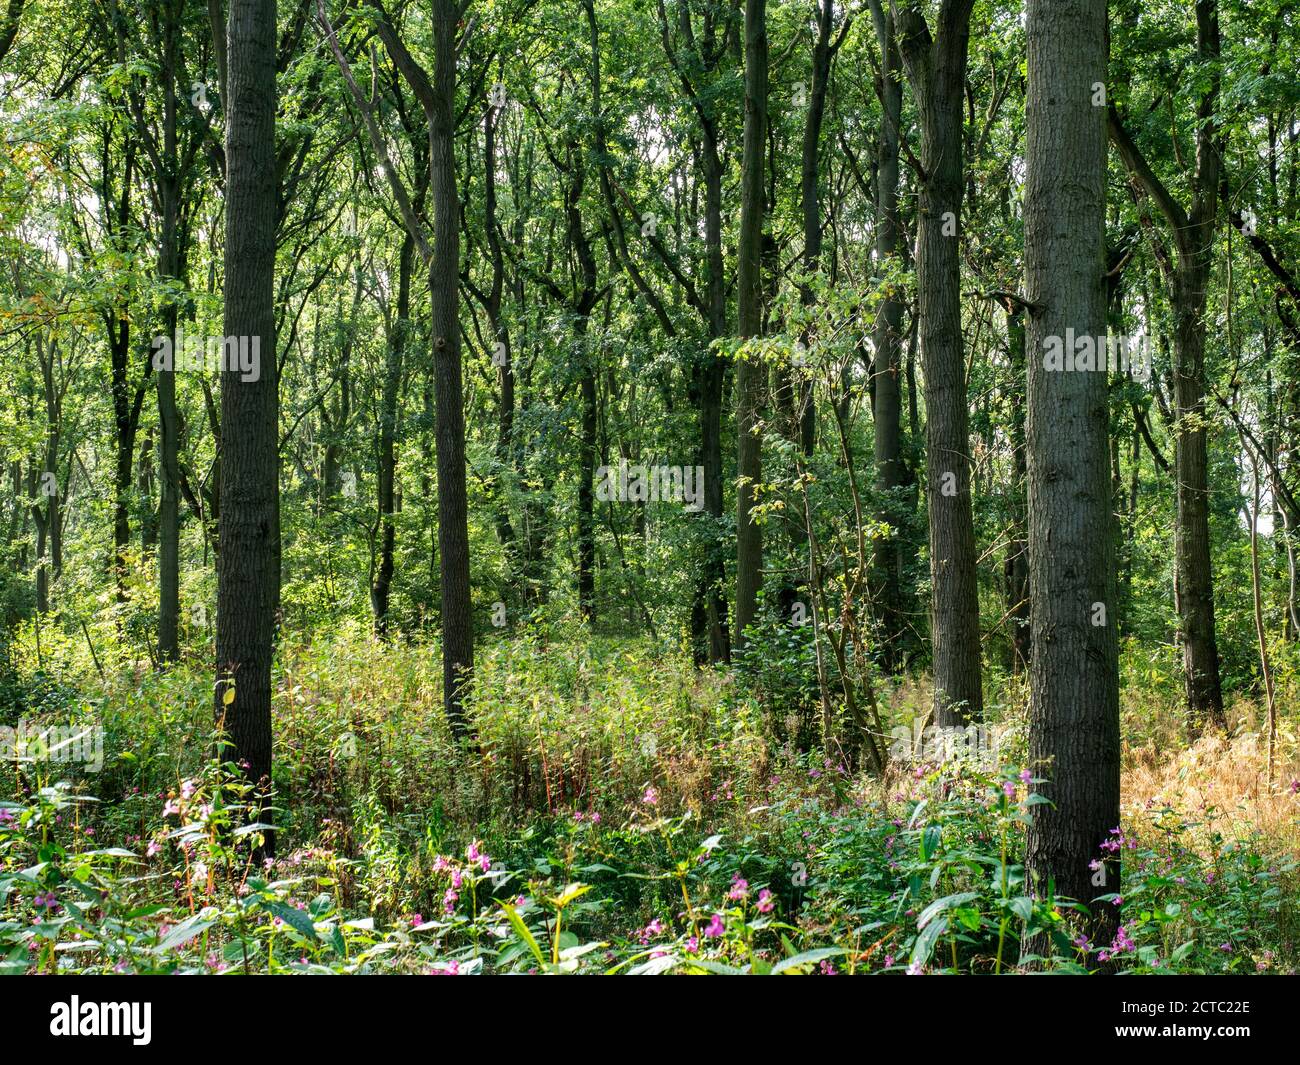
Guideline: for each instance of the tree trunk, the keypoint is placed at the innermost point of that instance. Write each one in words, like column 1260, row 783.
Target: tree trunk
column 887, row 341
column 1074, row 675
column 247, row 569
column 1016, row 566
column 388, row 417
column 937, row 71
column 750, row 373
column 453, row 519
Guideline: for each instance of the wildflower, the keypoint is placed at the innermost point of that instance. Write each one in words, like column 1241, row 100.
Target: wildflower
column 651, row 796
column 1009, row 790
column 449, row 899
column 827, row 969
column 595, row 818
column 915, row 969
column 766, row 904
column 577, row 816
column 1095, row 864
column 154, row 848
column 1118, row 900
column 5, row 815
column 452, row 969
column 417, row 920
column 889, row 961
column 739, row 889
column 654, row 928
column 1026, row 777
column 716, row 927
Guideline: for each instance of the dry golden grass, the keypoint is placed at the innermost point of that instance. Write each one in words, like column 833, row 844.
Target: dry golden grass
column 1228, row 774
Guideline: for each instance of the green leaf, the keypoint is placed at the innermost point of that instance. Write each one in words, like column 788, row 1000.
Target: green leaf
column 925, row 942
column 292, row 916
column 808, row 957
column 521, row 930
column 185, row 931
column 945, row 903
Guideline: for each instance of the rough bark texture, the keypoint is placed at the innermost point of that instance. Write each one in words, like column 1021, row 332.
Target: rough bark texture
column 247, row 571
column 453, row 518
column 1074, row 711
column 750, row 373
column 1015, row 569
column 887, row 401
column 936, row 68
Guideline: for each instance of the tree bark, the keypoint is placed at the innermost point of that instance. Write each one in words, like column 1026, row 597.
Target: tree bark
column 247, row 570
column 937, row 71
column 1074, row 675
column 749, row 372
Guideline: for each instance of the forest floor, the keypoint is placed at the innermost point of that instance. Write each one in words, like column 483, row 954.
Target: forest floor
column 622, row 812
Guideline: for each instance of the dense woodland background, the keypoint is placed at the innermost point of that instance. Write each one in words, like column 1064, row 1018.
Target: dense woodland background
column 388, row 583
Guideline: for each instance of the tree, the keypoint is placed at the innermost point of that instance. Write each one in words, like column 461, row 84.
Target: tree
column 1193, row 233
column 1074, row 673
column 749, row 372
column 248, row 577
column 936, row 68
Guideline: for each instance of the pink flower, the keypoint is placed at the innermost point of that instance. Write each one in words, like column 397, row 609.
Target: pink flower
column 651, row 797
column 739, row 889
column 716, row 927
column 416, row 920
column 766, row 904
column 449, row 900
column 452, row 969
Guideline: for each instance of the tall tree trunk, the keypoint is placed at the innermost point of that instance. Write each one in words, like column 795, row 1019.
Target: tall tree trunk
column 1016, row 565
column 713, row 571
column 937, row 71
column 887, row 339
column 1074, row 675
column 388, row 417
column 1193, row 232
column 750, row 373
column 453, row 518
column 248, row 576
column 587, row 425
